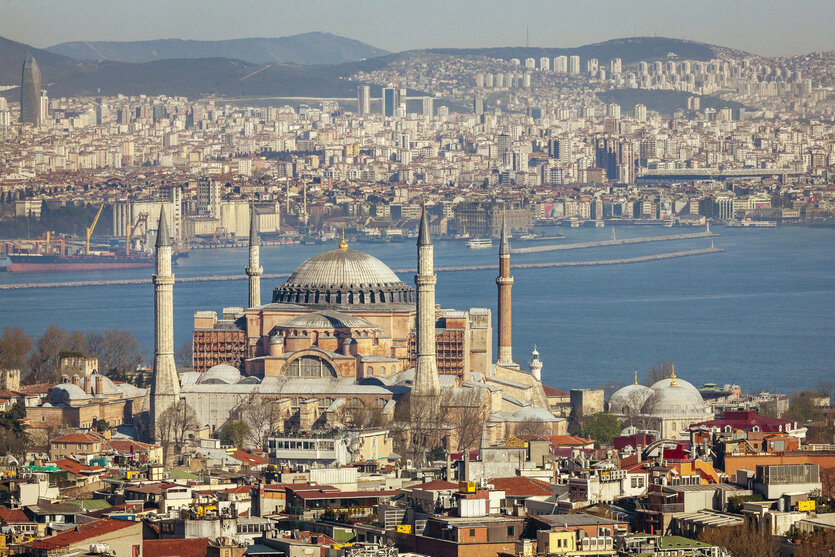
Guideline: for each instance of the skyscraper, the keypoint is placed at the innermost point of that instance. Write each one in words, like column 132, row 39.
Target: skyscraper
column 574, row 65
column 363, row 99
column 390, row 103
column 30, row 92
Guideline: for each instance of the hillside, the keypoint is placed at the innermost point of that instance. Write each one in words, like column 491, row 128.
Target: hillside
column 53, row 66
column 202, row 77
column 628, row 49
column 304, row 49
column 664, row 102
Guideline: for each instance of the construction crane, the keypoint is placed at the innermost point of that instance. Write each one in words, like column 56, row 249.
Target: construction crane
column 142, row 221
column 90, row 230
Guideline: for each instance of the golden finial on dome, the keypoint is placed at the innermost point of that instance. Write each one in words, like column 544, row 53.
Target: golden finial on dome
column 343, row 244
column 673, row 382
column 636, row 376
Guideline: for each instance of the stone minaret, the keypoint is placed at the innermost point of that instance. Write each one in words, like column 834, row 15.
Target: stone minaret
column 166, row 388
column 426, row 367
column 505, row 282
column 536, row 364
column 254, row 271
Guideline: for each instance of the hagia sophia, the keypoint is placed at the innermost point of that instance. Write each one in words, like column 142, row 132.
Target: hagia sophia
column 343, row 332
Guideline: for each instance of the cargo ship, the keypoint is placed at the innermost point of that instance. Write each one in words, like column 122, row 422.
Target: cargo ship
column 40, row 262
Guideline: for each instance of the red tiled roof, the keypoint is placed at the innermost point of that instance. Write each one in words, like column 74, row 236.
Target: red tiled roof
column 746, row 420
column 435, row 485
column 124, row 445
column 518, row 486
column 80, row 533
column 192, row 547
column 78, row 438
column 76, row 468
column 12, row 516
column 569, row 440
column 249, row 458
column 552, row 392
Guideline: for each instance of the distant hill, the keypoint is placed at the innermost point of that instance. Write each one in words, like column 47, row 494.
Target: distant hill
column 629, row 50
column 53, row 66
column 222, row 77
column 304, row 49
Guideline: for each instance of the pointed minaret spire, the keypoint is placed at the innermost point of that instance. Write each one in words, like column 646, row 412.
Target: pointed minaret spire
column 536, row 364
column 426, row 366
column 505, row 282
column 254, row 270
column 163, row 236
column 165, row 390
column 424, row 234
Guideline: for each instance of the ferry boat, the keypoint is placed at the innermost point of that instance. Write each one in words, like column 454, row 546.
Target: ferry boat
column 479, row 243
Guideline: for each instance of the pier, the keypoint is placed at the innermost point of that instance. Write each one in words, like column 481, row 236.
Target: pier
column 623, row 242
column 216, row 278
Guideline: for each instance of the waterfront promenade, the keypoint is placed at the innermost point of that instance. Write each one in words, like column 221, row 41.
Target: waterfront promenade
column 215, row 278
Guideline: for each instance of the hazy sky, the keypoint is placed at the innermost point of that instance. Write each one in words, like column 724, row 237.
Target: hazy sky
column 767, row 27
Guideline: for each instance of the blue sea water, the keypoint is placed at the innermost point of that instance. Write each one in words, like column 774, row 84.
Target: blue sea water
column 761, row 313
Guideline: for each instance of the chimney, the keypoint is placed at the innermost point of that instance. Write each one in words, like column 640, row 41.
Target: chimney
column 76, row 380
column 88, row 385
column 99, row 384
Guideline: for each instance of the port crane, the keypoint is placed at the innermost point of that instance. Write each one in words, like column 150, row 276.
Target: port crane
column 90, row 230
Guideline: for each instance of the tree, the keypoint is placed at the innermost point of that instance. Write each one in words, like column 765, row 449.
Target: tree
column 43, row 362
column 234, row 433
column 14, row 347
column 468, row 415
column 118, row 351
column 419, row 426
column 802, row 408
column 533, row 427
column 262, row 416
column 357, row 415
column 657, row 372
column 741, row 541
column 174, row 425
column 602, row 427
column 13, row 437
column 184, row 356
column 102, row 425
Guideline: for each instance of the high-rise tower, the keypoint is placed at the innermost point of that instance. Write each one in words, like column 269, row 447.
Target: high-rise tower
column 505, row 282
column 426, row 366
column 166, row 388
column 254, row 270
column 30, row 92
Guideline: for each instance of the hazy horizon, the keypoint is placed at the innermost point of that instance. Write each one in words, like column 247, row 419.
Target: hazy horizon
column 764, row 27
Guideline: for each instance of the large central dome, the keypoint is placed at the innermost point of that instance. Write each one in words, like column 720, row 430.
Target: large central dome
column 343, row 277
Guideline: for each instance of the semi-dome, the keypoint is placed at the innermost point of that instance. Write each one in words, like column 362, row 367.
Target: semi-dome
column 629, row 399
column 343, row 277
column 220, row 374
column 327, row 319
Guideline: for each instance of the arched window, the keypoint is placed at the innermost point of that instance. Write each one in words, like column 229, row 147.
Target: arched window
column 310, row 366
column 383, row 370
column 371, row 371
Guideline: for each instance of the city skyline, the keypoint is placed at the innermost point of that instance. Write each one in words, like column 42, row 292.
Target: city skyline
column 766, row 28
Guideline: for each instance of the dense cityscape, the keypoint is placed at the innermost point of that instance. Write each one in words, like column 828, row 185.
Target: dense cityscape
column 344, row 410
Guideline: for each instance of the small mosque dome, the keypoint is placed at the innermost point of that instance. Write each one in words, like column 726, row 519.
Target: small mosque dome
column 220, row 374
